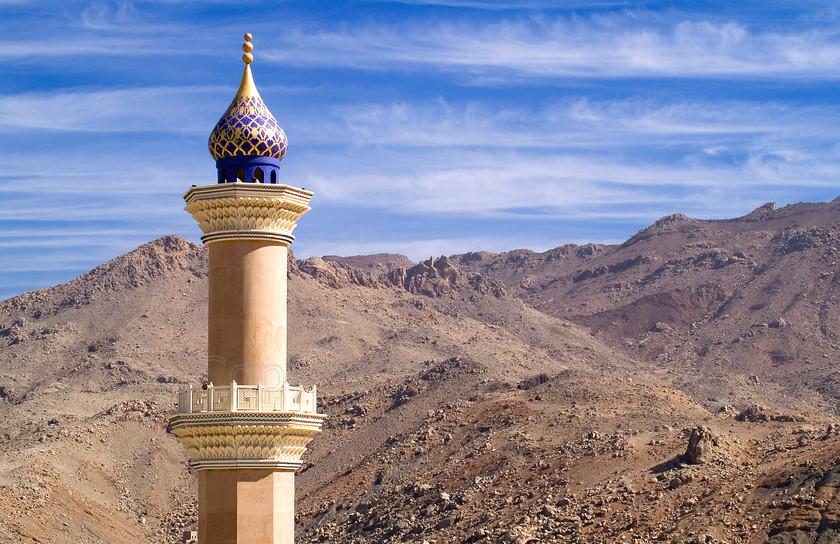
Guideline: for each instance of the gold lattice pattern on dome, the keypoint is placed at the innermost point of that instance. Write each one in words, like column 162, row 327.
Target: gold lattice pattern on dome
column 247, row 128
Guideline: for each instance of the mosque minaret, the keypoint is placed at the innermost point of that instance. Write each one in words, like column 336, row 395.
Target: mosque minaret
column 246, row 429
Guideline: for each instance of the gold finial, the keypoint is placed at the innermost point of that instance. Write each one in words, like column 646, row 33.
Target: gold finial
column 247, row 58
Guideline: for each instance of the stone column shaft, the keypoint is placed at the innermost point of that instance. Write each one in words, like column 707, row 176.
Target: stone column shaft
column 246, row 507
column 247, row 312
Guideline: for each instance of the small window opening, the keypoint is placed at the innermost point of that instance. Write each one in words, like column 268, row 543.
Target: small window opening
column 240, row 175
column 258, row 175
column 224, row 178
column 274, row 176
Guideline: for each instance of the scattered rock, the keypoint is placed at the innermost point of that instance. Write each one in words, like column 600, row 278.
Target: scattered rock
column 778, row 323
column 701, row 445
column 661, row 326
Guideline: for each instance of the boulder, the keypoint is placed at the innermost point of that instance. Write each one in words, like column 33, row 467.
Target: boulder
column 701, row 445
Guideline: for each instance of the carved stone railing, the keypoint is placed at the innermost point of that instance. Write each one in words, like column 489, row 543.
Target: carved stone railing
column 247, row 398
column 246, row 426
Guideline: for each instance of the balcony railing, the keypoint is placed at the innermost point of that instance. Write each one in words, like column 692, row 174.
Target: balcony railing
column 247, row 398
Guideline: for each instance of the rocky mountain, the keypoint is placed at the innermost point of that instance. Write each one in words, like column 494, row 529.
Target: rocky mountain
column 732, row 304
column 515, row 397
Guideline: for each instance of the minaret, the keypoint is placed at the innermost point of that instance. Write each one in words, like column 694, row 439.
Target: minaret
column 246, row 429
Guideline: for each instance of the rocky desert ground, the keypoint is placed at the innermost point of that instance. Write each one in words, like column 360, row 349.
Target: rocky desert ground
column 519, row 397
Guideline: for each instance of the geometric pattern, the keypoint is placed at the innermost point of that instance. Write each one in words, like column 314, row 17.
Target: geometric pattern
column 264, row 440
column 247, row 128
column 247, row 211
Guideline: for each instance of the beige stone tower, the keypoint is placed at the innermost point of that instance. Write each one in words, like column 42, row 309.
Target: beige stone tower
column 246, row 429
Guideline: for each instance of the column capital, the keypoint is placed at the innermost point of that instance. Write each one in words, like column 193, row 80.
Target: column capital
column 228, row 440
column 247, row 211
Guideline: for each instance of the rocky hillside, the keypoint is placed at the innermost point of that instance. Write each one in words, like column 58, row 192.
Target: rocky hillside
column 517, row 397
column 746, row 306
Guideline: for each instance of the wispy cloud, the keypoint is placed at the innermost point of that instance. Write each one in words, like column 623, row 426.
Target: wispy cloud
column 52, row 237
column 83, row 47
column 558, row 186
column 598, row 47
column 519, row 5
column 162, row 109
column 580, row 123
column 100, row 14
column 579, row 159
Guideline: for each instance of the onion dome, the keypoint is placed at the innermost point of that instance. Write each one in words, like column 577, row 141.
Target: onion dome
column 247, row 142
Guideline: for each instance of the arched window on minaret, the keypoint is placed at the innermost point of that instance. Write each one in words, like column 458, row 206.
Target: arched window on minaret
column 224, row 178
column 259, row 177
column 240, row 175
column 274, row 176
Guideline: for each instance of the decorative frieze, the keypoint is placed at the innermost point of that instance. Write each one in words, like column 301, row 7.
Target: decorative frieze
column 266, row 440
column 247, row 211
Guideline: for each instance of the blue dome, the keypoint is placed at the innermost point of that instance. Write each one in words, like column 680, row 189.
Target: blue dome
column 247, row 142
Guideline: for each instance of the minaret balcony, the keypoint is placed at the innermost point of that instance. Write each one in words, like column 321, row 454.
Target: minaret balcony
column 246, row 426
column 247, row 398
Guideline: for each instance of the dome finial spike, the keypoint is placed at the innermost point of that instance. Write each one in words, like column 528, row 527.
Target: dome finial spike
column 247, row 58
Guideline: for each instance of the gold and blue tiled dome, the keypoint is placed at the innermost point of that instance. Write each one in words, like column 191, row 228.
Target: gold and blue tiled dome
column 247, row 142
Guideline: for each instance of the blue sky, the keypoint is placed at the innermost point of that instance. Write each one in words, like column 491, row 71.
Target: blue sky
column 423, row 127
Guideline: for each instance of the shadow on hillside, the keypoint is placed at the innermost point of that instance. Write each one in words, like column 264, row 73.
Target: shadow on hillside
column 668, row 465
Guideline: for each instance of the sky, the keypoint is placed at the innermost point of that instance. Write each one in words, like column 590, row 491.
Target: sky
column 423, row 127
